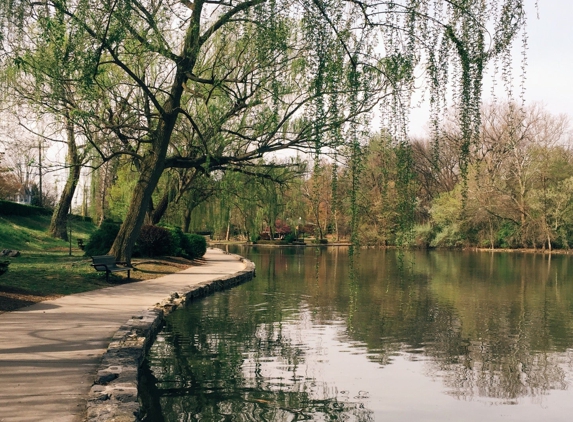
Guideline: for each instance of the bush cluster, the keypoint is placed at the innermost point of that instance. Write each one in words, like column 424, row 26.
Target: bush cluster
column 190, row 246
column 153, row 241
column 169, row 240
column 194, row 246
column 289, row 238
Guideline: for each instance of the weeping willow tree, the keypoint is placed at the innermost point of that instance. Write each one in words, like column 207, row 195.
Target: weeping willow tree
column 251, row 78
column 450, row 43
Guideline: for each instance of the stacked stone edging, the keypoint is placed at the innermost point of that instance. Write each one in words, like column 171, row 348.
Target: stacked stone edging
column 114, row 395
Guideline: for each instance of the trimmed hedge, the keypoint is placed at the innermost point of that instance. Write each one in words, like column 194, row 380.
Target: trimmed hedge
column 13, row 208
column 75, row 217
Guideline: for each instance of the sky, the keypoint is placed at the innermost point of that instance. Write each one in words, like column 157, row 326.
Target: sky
column 550, row 56
column 549, row 61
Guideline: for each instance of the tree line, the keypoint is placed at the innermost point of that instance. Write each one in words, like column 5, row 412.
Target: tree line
column 517, row 193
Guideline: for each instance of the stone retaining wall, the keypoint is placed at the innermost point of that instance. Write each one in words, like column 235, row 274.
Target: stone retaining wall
column 113, row 397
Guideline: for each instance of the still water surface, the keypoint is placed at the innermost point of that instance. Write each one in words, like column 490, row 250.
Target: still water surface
column 424, row 336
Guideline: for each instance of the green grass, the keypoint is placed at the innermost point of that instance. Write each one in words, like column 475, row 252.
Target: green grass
column 45, row 267
column 31, row 233
column 52, row 273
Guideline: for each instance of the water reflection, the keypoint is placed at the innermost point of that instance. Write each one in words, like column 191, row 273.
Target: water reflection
column 387, row 338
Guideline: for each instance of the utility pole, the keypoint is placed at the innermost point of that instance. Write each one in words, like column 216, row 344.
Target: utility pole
column 70, row 227
column 41, row 202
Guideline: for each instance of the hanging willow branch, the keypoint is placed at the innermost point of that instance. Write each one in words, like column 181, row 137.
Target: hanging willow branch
column 248, row 78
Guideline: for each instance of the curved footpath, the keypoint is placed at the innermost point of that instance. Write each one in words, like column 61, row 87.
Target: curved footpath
column 76, row 358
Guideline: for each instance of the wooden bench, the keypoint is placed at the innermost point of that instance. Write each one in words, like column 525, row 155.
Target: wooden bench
column 108, row 264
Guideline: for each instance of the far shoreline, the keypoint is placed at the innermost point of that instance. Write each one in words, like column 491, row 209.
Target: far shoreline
column 532, row 251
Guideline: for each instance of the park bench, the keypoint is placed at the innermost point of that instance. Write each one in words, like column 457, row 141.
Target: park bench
column 108, row 264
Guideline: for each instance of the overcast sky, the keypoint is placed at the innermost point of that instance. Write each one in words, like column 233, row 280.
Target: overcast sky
column 550, row 61
column 550, row 56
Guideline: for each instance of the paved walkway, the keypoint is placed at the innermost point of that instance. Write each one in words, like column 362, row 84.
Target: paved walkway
column 49, row 352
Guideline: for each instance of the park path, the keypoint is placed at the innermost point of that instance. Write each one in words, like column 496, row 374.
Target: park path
column 50, row 352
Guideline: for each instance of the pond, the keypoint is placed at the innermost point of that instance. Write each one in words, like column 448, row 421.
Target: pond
column 413, row 336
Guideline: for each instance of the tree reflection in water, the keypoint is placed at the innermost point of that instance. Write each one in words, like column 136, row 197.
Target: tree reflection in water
column 487, row 326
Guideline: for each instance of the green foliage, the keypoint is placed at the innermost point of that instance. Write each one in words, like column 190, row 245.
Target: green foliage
column 194, row 246
column 320, row 241
column 75, row 217
column 101, row 240
column 13, row 208
column 508, row 235
column 406, row 192
column 178, row 241
column 423, row 236
column 449, row 237
column 289, row 238
column 447, row 208
column 190, row 246
column 121, row 192
column 155, row 241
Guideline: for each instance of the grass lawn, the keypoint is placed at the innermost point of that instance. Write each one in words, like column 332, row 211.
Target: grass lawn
column 45, row 269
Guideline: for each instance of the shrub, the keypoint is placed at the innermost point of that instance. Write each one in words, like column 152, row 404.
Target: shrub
column 74, row 217
column 508, row 235
column 13, row 208
column 320, row 241
column 101, row 240
column 177, row 241
column 289, row 238
column 155, row 241
column 423, row 236
column 448, row 237
column 194, row 246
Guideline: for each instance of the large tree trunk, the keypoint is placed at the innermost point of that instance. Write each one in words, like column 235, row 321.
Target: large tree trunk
column 151, row 168
column 161, row 207
column 58, row 224
column 186, row 220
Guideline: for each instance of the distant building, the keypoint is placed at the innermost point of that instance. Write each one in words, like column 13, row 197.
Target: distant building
column 24, row 196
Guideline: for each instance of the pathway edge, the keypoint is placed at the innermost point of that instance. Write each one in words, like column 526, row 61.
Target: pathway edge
column 114, row 394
